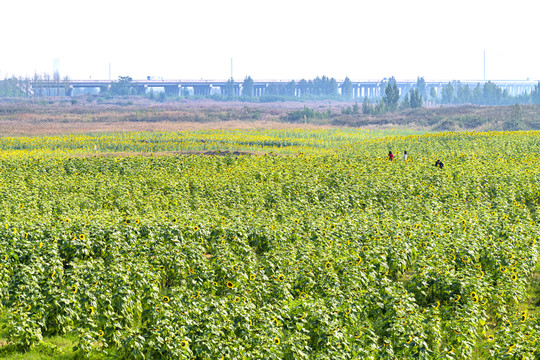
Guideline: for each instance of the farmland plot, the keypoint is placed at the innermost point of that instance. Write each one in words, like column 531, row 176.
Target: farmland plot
column 314, row 247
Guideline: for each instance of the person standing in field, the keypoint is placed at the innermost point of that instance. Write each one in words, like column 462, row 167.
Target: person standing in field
column 404, row 155
column 390, row 156
column 439, row 164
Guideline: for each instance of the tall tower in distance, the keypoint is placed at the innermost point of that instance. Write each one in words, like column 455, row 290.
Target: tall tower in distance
column 56, row 65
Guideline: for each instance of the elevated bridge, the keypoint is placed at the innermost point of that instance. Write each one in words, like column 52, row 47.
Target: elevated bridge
column 361, row 88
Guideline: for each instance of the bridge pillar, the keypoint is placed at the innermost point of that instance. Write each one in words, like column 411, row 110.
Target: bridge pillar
column 141, row 89
column 202, row 90
column 172, row 90
column 259, row 90
column 69, row 91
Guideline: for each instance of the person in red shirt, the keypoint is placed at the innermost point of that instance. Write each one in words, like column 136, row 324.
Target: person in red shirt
column 390, row 156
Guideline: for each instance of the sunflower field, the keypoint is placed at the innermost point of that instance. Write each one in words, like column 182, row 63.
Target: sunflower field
column 311, row 245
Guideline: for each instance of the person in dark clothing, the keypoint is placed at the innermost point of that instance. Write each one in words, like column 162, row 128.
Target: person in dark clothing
column 439, row 164
column 390, row 156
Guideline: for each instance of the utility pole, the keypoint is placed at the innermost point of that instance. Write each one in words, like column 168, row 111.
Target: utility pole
column 109, row 71
column 484, row 65
column 231, row 70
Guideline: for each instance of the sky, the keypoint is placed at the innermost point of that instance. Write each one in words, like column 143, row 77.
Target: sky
column 271, row 40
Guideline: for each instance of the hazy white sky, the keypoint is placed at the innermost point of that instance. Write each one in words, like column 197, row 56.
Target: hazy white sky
column 278, row 39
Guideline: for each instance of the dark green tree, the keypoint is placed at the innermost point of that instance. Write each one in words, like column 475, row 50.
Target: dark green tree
column 310, row 87
column 331, row 87
column 356, row 108
column 515, row 122
column 347, row 89
column 367, row 107
column 421, row 86
column 247, row 87
column 491, row 93
column 477, row 95
column 290, row 88
column 433, row 93
column 316, row 88
column 123, row 86
column 535, row 94
column 303, row 87
column 391, row 95
column 415, row 99
column 406, row 104
column 66, row 84
column 448, row 94
column 229, row 88
column 464, row 94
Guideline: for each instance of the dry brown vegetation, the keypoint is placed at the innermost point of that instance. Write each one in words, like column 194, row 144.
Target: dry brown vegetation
column 87, row 114
column 18, row 128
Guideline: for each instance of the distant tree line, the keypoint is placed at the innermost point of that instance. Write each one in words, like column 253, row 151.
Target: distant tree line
column 318, row 87
column 9, row 87
column 324, row 87
column 390, row 101
column 487, row 94
column 39, row 85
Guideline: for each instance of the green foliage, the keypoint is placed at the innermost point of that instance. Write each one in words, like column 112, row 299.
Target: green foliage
column 9, row 87
column 433, row 93
column 535, row 94
column 515, row 122
column 247, row 87
column 447, row 96
column 367, row 107
column 405, row 104
column 421, row 86
column 380, row 107
column 229, row 88
column 464, row 94
column 332, row 252
column 492, row 94
column 355, row 109
column 162, row 96
column 416, row 100
column 391, row 95
column 307, row 114
column 318, row 87
column 347, row 89
column 123, row 86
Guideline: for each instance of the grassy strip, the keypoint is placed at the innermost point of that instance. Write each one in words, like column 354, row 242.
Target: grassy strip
column 51, row 348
